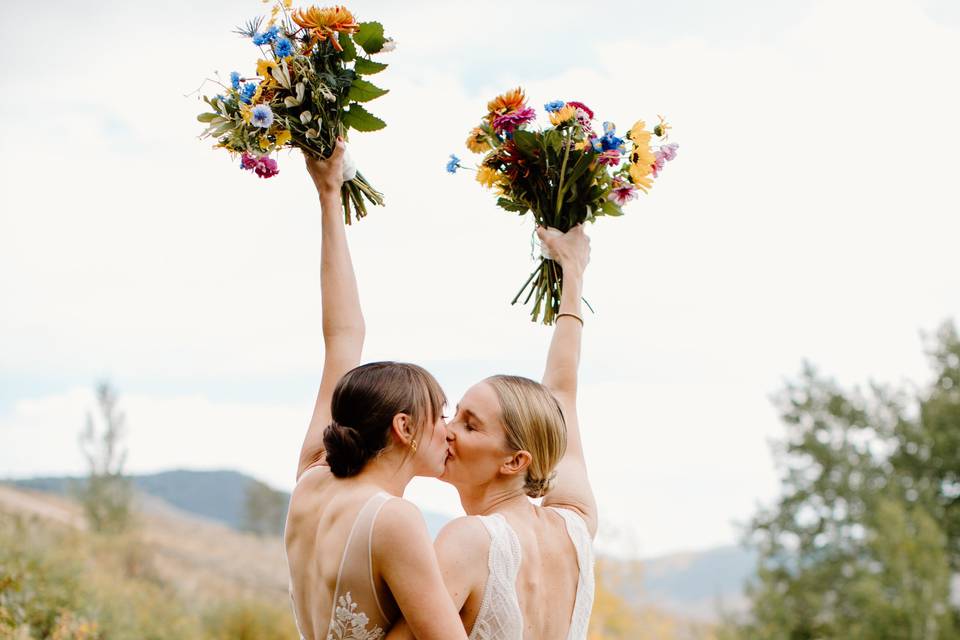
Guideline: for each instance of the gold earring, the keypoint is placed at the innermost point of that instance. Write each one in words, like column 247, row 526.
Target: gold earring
column 413, row 445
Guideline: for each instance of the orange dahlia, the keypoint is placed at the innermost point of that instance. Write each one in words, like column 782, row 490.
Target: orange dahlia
column 324, row 24
column 511, row 101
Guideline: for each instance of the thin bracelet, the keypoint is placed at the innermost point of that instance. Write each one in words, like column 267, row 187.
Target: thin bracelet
column 570, row 315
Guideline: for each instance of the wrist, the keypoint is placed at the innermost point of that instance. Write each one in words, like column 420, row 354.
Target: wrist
column 573, row 270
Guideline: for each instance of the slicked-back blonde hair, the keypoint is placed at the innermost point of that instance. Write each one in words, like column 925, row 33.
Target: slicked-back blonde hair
column 534, row 423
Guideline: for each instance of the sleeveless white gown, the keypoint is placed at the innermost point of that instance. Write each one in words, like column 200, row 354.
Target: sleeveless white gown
column 356, row 613
column 500, row 617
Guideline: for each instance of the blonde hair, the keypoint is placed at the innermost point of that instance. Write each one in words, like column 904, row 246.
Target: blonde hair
column 534, row 423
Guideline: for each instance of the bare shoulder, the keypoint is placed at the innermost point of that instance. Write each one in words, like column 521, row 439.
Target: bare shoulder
column 399, row 522
column 464, row 537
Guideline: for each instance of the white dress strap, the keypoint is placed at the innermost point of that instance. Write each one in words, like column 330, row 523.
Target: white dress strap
column 583, row 543
column 500, row 617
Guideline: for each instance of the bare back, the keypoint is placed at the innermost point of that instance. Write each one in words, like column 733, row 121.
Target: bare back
column 527, row 580
column 329, row 538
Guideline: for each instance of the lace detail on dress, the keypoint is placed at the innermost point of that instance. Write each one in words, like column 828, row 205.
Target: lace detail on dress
column 500, row 617
column 350, row 624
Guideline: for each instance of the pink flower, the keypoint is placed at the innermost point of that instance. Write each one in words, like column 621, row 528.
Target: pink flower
column 622, row 193
column 266, row 167
column 669, row 151
column 582, row 107
column 611, row 158
column 657, row 165
column 508, row 122
column 248, row 161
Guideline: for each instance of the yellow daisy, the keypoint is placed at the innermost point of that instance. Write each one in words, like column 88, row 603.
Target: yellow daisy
column 283, row 137
column 477, row 141
column 488, row 176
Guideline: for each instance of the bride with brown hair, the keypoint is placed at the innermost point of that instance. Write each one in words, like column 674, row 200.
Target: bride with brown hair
column 359, row 555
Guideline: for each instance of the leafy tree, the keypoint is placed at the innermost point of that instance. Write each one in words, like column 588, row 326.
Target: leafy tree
column 862, row 540
column 106, row 495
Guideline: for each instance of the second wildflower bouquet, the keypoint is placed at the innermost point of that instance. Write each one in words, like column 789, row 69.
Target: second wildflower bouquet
column 308, row 90
column 564, row 175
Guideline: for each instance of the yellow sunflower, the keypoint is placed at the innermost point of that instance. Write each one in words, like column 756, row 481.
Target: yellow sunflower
column 640, row 176
column 564, row 114
column 265, row 69
column 639, row 134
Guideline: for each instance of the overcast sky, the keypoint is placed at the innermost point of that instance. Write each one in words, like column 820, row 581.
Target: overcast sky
column 811, row 213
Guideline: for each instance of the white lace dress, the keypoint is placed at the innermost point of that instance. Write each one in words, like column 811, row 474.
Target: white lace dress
column 357, row 614
column 500, row 617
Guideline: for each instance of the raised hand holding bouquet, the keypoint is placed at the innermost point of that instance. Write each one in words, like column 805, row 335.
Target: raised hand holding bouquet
column 565, row 174
column 306, row 93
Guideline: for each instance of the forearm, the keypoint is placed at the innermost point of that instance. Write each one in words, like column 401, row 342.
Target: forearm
column 340, row 299
column 563, row 358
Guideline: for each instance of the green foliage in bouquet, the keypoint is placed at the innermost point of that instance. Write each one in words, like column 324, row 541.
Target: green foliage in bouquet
column 563, row 175
column 310, row 89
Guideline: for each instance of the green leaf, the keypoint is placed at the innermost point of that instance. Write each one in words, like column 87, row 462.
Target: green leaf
column 358, row 118
column 363, row 91
column 610, row 208
column 526, row 142
column 553, row 140
column 510, row 205
column 370, row 36
column 207, row 117
column 349, row 49
column 367, row 67
column 581, row 165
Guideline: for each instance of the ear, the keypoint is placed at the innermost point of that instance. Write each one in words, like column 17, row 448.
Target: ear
column 402, row 429
column 516, row 464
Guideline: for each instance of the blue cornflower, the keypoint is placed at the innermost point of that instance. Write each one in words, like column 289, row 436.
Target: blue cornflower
column 262, row 116
column 235, row 79
column 283, row 47
column 609, row 141
column 597, row 145
column 454, row 164
column 246, row 94
column 556, row 105
column 266, row 37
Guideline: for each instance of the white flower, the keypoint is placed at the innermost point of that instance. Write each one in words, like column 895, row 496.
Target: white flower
column 389, row 45
column 349, row 167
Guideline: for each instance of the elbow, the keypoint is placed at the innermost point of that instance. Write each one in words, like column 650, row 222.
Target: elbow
column 354, row 331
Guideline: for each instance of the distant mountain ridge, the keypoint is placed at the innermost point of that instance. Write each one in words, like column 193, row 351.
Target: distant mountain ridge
column 217, row 495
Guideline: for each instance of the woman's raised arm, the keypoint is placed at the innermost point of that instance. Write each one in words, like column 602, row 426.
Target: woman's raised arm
column 343, row 327
column 572, row 488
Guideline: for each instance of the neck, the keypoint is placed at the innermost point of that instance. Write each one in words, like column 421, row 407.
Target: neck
column 491, row 498
column 388, row 474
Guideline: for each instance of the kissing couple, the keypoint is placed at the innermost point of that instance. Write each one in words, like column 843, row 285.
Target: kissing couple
column 362, row 564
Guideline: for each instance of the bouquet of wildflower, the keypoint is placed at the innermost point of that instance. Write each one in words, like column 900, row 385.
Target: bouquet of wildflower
column 307, row 91
column 564, row 175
